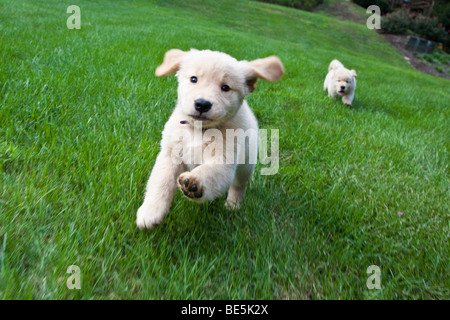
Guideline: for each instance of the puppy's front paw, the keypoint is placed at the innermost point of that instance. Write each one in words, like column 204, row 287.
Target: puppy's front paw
column 347, row 101
column 234, row 198
column 148, row 217
column 190, row 185
column 232, row 204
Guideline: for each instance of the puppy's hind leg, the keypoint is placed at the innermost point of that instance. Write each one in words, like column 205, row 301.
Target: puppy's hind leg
column 327, row 84
column 237, row 189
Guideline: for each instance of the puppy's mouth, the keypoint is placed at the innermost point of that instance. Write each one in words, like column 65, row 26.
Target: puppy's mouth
column 341, row 92
column 199, row 118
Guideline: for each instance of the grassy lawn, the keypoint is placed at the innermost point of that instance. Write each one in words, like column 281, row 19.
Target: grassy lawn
column 81, row 115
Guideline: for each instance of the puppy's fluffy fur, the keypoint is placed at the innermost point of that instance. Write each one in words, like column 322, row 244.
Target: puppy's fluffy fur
column 340, row 81
column 223, row 82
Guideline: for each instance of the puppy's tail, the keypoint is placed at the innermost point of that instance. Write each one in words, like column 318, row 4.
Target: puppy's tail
column 335, row 64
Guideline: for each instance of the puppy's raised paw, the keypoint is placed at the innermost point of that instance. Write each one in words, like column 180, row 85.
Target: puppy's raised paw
column 190, row 185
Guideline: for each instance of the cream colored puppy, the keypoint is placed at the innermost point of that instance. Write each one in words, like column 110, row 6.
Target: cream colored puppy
column 212, row 87
column 340, row 81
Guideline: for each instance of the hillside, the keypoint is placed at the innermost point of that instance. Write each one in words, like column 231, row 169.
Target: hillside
column 81, row 115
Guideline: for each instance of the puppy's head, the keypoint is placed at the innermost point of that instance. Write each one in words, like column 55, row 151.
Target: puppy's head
column 212, row 85
column 344, row 80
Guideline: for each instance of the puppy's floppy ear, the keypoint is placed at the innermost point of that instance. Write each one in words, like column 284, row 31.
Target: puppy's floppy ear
column 353, row 72
column 270, row 69
column 171, row 63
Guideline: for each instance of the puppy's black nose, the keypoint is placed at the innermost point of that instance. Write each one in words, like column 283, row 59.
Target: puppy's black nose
column 202, row 105
column 342, row 87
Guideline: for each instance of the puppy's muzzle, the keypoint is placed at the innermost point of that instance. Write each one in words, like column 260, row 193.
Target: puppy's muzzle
column 202, row 105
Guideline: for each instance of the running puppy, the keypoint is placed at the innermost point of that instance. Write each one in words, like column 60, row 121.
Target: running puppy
column 340, row 81
column 212, row 87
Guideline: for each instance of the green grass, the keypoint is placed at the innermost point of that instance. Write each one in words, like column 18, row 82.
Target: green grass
column 81, row 115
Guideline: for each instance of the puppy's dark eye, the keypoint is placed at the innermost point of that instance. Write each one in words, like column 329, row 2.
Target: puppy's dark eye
column 194, row 79
column 225, row 88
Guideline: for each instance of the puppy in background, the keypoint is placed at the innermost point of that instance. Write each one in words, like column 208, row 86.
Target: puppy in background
column 340, row 81
column 212, row 87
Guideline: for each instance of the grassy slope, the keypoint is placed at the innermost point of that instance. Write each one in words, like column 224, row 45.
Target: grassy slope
column 80, row 121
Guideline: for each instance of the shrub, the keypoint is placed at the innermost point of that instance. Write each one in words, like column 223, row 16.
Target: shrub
column 430, row 58
column 429, row 28
column 438, row 56
column 398, row 22
column 442, row 57
column 440, row 69
column 442, row 11
column 382, row 4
